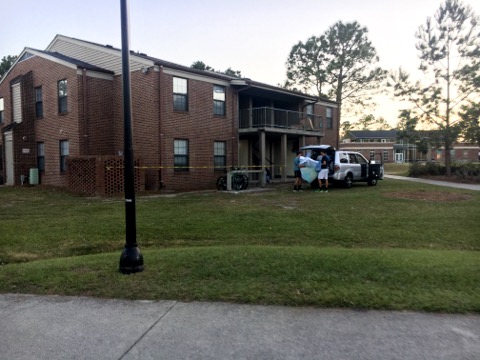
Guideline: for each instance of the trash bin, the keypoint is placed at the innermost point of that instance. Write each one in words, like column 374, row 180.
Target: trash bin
column 33, row 177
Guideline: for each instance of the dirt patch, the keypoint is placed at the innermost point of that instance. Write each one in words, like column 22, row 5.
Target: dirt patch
column 429, row 195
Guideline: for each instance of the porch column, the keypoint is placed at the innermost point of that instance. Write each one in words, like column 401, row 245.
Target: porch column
column 272, row 114
column 301, row 141
column 262, row 156
column 250, row 112
column 284, row 151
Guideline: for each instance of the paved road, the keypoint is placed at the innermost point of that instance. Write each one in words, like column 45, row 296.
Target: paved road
column 53, row 327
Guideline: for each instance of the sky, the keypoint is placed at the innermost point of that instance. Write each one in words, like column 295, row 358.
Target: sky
column 252, row 36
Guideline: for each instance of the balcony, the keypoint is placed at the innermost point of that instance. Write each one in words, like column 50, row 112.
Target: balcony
column 266, row 117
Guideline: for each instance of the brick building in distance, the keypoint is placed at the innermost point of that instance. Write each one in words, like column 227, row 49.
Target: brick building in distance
column 61, row 121
column 389, row 146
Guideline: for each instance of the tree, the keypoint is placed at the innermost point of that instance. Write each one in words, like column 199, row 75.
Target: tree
column 449, row 49
column 6, row 63
column 340, row 63
column 366, row 122
column 370, row 122
column 200, row 65
column 469, row 127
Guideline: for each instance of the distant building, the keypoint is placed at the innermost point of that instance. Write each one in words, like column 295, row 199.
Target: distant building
column 388, row 146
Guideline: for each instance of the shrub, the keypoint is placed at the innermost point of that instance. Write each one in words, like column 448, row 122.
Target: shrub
column 464, row 170
column 417, row 169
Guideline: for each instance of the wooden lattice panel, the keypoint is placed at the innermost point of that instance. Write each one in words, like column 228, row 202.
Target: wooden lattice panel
column 101, row 175
column 81, row 175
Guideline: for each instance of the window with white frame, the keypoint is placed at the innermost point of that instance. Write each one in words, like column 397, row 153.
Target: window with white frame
column 372, row 154
column 219, row 155
column 41, row 156
column 2, row 109
column 180, row 155
column 329, row 117
column 219, row 100
column 38, row 102
column 62, row 97
column 64, row 152
column 180, row 94
column 385, row 155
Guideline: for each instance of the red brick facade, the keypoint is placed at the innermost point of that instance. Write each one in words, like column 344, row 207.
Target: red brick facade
column 93, row 123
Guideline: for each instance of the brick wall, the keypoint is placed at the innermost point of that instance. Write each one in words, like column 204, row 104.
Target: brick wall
column 96, row 115
column 201, row 128
column 52, row 127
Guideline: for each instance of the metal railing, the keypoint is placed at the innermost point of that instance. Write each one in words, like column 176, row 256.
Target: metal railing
column 280, row 118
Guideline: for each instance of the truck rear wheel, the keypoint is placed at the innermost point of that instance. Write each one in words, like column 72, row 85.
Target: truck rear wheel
column 348, row 182
column 372, row 182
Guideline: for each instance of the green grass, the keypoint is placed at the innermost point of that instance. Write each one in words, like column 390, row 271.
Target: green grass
column 359, row 247
column 400, row 169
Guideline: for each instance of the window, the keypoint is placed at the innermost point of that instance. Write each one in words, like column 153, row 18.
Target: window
column 219, row 155
column 180, row 155
column 329, row 116
column 180, row 94
column 41, row 156
column 372, row 154
column 1, row 110
column 218, row 100
column 38, row 102
column 64, row 152
column 385, row 155
column 62, row 97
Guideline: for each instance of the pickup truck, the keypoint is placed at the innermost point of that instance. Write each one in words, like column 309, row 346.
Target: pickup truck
column 346, row 166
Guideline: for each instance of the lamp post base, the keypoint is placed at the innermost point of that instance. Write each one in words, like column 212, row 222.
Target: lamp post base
column 131, row 260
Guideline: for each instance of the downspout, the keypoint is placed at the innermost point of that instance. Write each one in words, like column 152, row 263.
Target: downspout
column 85, row 116
column 160, row 147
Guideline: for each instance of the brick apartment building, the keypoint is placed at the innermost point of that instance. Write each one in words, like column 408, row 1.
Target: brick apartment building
column 61, row 120
column 387, row 146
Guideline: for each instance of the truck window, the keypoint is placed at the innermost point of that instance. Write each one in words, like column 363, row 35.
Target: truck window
column 361, row 159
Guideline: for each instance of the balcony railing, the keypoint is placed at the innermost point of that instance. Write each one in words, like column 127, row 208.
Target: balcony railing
column 279, row 118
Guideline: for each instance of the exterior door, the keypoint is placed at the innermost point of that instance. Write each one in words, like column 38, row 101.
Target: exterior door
column 10, row 173
column 399, row 158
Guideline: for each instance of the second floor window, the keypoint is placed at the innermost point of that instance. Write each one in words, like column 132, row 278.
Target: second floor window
column 1, row 110
column 219, row 155
column 64, row 152
column 180, row 155
column 38, row 102
column 41, row 156
column 62, row 97
column 180, row 94
column 329, row 117
column 218, row 100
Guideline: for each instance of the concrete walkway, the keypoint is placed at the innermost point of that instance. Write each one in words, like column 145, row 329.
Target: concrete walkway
column 53, row 327
column 435, row 182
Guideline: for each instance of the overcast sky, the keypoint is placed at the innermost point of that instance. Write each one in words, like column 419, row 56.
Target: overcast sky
column 253, row 36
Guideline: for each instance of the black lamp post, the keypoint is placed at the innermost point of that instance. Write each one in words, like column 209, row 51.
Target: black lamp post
column 131, row 260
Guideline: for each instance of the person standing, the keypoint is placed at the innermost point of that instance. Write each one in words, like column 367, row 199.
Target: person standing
column 298, row 174
column 323, row 160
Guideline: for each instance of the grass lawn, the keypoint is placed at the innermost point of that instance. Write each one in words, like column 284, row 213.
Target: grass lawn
column 365, row 247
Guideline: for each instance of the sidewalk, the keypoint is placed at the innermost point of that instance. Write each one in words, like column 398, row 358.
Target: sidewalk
column 435, row 182
column 54, row 327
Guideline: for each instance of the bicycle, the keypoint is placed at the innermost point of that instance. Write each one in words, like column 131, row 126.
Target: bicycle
column 239, row 181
